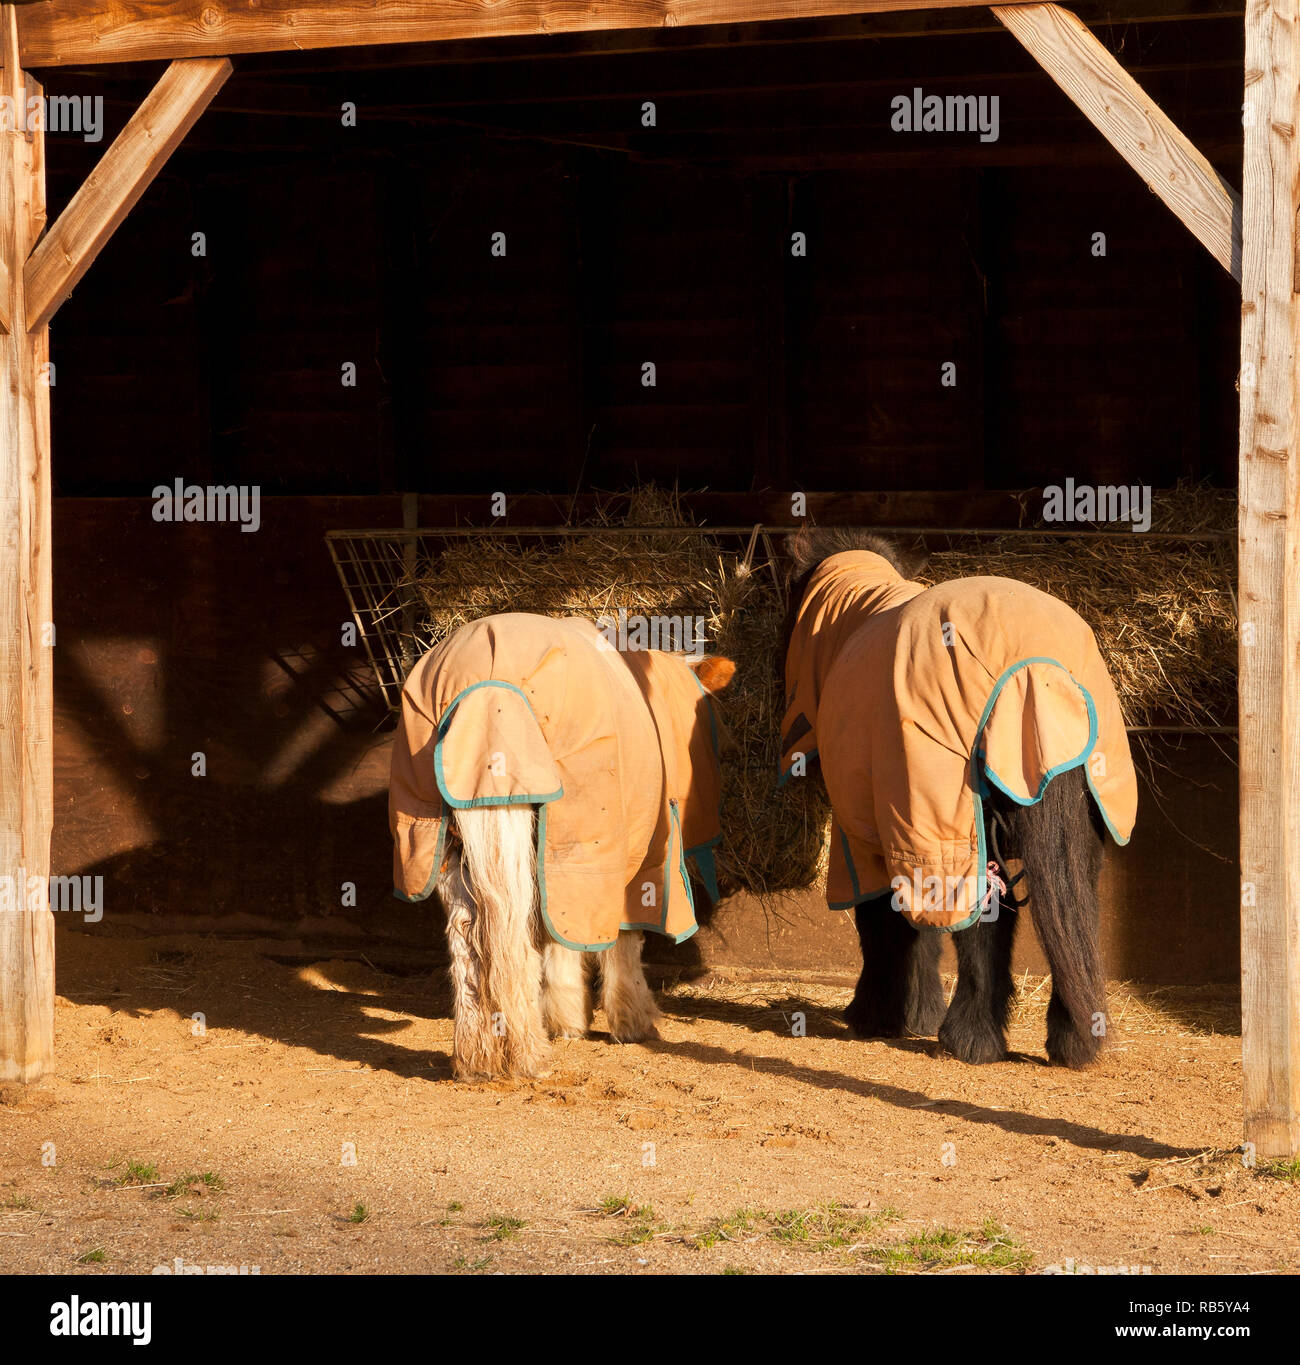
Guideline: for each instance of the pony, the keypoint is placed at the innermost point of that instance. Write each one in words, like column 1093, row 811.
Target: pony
column 550, row 788
column 982, row 697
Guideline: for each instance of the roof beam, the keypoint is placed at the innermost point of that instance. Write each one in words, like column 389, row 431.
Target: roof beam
column 85, row 32
column 1134, row 124
column 826, row 33
column 114, row 187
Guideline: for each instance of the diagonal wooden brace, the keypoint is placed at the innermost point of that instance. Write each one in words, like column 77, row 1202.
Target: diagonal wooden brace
column 1134, row 124
column 114, row 187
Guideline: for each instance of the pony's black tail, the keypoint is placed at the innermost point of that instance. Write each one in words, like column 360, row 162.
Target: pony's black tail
column 1060, row 842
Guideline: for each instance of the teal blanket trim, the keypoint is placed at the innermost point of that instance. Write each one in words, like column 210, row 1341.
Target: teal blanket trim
column 445, row 724
column 985, row 772
column 433, row 876
column 541, row 894
column 706, row 865
column 784, row 776
column 713, row 720
column 858, row 894
column 675, row 826
column 651, row 927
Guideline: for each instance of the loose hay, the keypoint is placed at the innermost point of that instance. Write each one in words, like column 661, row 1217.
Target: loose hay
column 1163, row 612
column 772, row 840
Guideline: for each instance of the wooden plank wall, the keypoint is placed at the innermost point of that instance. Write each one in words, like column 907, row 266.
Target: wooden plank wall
column 493, row 380
column 1092, row 371
column 672, row 246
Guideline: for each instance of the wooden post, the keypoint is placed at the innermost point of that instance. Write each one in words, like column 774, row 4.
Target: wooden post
column 1269, row 594
column 33, row 282
column 26, row 647
column 114, row 187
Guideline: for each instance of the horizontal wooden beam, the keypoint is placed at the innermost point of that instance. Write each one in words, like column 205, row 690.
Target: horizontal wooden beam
column 82, row 32
column 829, row 34
column 1139, row 130
column 123, row 174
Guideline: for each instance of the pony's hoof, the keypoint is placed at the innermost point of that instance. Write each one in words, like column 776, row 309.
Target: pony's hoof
column 633, row 1032
column 974, row 1047
column 865, row 1023
column 1068, row 1049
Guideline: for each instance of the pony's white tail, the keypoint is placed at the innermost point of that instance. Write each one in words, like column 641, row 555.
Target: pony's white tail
column 490, row 892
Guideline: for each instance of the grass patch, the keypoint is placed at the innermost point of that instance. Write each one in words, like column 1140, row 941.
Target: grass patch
column 139, row 1173
column 615, row 1205
column 1283, row 1170
column 208, row 1215
column 990, row 1248
column 727, row 1229
column 500, row 1228
column 96, row 1257
column 828, row 1227
column 640, row 1226
column 464, row 1263
column 202, row 1182
column 359, row 1214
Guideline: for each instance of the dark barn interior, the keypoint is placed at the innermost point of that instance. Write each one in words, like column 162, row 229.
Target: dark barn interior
column 326, row 245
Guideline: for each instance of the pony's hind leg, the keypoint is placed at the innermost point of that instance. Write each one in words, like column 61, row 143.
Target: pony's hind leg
column 628, row 1002
column 1061, row 841
column 566, row 1001
column 974, row 1029
column 476, row 1049
column 900, row 991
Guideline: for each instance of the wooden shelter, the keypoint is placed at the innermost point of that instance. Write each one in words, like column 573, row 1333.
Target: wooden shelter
column 1254, row 237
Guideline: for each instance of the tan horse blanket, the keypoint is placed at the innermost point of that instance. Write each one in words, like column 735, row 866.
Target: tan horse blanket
column 618, row 752
column 918, row 702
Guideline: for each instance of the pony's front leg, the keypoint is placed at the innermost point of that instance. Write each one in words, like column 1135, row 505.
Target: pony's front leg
column 566, row 1002
column 628, row 1002
column 900, row 991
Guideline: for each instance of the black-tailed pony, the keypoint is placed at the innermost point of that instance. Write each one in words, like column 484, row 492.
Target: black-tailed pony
column 957, row 728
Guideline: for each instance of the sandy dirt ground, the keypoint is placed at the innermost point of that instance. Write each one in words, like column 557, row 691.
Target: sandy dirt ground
column 314, row 1127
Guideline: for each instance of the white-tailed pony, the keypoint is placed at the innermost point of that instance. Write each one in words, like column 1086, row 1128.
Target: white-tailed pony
column 551, row 789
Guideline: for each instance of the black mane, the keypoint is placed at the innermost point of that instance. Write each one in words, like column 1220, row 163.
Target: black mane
column 809, row 546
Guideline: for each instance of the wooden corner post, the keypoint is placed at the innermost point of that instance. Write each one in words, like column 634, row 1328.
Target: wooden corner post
column 36, row 275
column 26, row 643
column 1269, row 596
